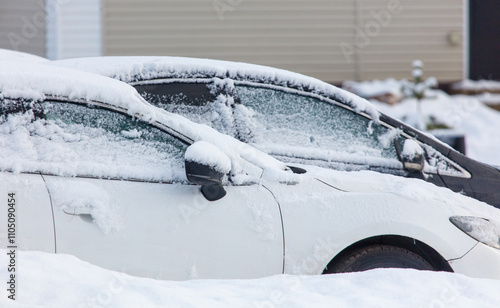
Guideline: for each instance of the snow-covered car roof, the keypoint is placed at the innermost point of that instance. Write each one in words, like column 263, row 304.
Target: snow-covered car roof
column 12, row 55
column 133, row 69
column 30, row 81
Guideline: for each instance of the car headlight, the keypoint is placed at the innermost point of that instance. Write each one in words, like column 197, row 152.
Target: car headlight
column 480, row 229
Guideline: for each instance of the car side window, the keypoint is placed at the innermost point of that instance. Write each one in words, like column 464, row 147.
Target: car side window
column 200, row 102
column 80, row 140
column 291, row 124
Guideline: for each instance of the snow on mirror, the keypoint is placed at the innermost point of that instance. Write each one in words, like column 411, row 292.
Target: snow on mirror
column 207, row 165
column 412, row 156
column 77, row 140
column 205, row 153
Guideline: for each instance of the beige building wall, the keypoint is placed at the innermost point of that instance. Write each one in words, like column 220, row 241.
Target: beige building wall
column 22, row 25
column 333, row 40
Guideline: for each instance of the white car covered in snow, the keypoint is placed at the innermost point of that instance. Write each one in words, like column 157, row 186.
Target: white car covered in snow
column 95, row 171
column 295, row 118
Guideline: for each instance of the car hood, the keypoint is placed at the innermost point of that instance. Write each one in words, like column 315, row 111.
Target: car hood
column 371, row 182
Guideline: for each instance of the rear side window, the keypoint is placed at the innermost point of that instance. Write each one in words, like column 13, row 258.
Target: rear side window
column 292, row 125
column 79, row 140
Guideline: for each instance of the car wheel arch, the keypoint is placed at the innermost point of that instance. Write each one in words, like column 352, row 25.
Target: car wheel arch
column 421, row 249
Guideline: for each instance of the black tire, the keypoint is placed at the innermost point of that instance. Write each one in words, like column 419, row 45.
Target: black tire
column 379, row 256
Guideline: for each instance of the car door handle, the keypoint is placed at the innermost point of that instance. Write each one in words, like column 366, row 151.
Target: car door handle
column 83, row 213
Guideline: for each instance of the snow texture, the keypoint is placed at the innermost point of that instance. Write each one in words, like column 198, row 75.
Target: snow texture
column 411, row 148
column 131, row 69
column 76, row 200
column 465, row 114
column 61, row 281
column 37, row 82
column 477, row 85
column 207, row 154
column 374, row 88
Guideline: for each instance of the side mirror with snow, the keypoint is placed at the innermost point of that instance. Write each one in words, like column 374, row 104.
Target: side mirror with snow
column 412, row 156
column 206, row 165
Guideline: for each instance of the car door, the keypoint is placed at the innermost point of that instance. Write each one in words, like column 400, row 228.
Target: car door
column 121, row 201
column 25, row 211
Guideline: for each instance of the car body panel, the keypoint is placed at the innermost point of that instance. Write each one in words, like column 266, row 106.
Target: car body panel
column 168, row 231
column 481, row 262
column 34, row 228
column 317, row 231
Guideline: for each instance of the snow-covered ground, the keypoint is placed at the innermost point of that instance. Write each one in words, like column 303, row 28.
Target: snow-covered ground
column 464, row 114
column 47, row 280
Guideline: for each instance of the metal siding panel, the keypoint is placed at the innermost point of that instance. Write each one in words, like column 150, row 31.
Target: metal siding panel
column 419, row 31
column 303, row 36
column 295, row 35
column 22, row 26
column 80, row 29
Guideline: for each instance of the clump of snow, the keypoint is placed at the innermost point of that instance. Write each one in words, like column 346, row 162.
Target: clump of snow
column 132, row 69
column 205, row 153
column 75, row 199
column 411, row 148
column 280, row 177
column 477, row 85
column 133, row 133
column 490, row 99
column 61, row 281
column 374, row 88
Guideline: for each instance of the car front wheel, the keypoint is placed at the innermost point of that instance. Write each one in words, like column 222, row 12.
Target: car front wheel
column 379, row 256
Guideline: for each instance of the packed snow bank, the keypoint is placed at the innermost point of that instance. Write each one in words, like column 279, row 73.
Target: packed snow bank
column 478, row 86
column 48, row 280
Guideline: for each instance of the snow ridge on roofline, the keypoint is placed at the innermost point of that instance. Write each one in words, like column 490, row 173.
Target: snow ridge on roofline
column 30, row 81
column 132, row 69
column 33, row 81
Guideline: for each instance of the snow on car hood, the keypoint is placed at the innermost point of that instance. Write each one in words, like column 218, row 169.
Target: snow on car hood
column 30, row 81
column 409, row 189
column 131, row 69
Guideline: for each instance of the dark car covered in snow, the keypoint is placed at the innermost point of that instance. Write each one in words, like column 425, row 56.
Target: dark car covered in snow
column 297, row 119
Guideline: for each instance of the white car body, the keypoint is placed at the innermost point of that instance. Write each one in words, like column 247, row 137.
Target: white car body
column 271, row 221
